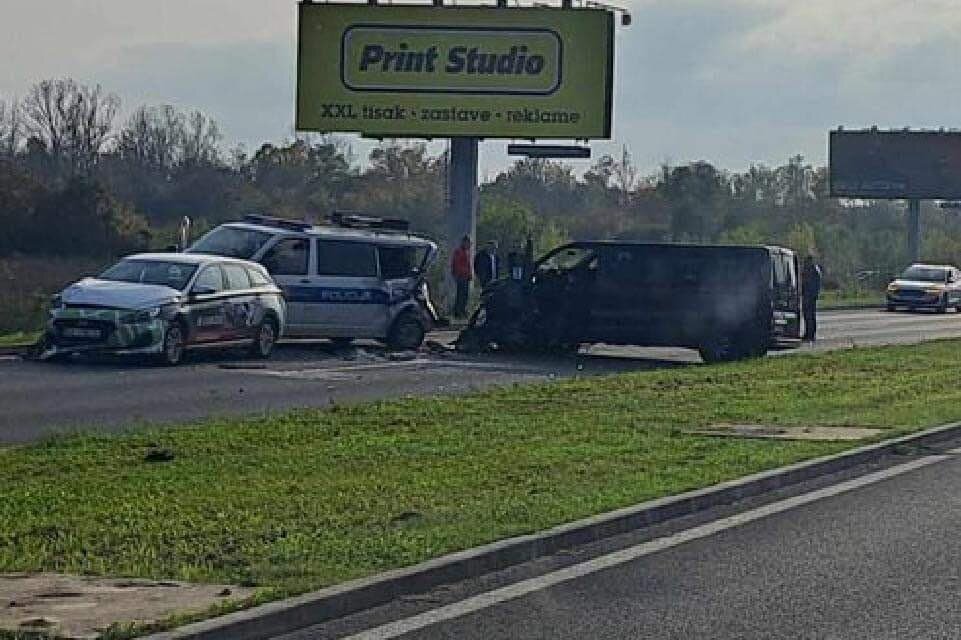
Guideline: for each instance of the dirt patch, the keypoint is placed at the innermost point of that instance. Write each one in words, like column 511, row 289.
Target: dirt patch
column 81, row 607
column 787, row 432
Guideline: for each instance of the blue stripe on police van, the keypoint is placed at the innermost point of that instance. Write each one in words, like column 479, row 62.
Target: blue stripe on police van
column 335, row 295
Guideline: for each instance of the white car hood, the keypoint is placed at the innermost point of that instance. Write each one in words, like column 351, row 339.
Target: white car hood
column 118, row 295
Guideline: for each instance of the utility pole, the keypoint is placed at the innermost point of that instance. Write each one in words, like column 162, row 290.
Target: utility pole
column 463, row 193
column 914, row 230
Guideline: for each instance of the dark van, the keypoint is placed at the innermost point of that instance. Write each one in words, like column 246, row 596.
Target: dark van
column 728, row 302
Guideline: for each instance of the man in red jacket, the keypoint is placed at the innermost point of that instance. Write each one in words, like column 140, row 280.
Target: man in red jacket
column 460, row 268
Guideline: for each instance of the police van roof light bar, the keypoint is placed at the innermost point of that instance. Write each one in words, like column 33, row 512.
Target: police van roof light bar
column 359, row 221
column 282, row 223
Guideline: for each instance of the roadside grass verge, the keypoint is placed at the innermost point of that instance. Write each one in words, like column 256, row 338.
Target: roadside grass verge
column 836, row 299
column 19, row 339
column 304, row 499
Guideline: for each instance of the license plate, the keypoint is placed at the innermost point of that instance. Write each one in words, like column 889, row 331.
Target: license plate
column 77, row 332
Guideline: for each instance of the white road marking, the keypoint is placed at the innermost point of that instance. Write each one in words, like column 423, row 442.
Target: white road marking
column 525, row 587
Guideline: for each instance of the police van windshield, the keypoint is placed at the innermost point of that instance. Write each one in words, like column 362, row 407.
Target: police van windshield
column 231, row 242
column 169, row 274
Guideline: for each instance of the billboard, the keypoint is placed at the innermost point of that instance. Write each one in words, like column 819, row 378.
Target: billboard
column 426, row 71
column 923, row 165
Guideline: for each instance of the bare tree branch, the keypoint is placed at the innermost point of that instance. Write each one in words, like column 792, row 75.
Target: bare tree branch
column 73, row 122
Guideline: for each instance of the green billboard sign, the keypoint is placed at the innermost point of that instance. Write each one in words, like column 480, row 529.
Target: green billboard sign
column 425, row 71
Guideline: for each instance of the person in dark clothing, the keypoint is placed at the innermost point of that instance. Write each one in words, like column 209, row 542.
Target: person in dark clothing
column 460, row 269
column 487, row 264
column 810, row 290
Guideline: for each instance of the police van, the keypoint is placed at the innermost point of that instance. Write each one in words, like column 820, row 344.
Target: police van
column 354, row 277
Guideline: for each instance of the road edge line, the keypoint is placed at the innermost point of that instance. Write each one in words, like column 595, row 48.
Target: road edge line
column 330, row 603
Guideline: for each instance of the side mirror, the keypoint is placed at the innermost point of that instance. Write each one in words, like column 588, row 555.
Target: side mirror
column 202, row 290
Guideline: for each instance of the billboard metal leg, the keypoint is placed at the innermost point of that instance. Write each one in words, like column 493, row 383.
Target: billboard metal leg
column 914, row 230
column 462, row 212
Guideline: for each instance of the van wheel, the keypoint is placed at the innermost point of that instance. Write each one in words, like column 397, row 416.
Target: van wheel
column 175, row 339
column 265, row 339
column 407, row 333
column 719, row 349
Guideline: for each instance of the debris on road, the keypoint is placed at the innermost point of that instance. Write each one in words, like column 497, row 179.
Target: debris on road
column 159, row 454
column 242, row 365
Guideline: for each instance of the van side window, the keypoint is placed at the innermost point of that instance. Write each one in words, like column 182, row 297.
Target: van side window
column 341, row 258
column 287, row 258
column 399, row 262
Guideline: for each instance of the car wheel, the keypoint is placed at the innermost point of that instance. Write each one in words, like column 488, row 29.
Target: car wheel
column 265, row 339
column 174, row 342
column 891, row 307
column 407, row 333
column 943, row 305
column 44, row 344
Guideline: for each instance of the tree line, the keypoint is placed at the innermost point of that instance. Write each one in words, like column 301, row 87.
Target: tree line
column 75, row 180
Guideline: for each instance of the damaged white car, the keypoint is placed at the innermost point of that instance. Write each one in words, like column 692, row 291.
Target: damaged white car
column 165, row 304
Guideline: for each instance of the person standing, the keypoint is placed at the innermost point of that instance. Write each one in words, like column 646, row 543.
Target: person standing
column 487, row 264
column 460, row 269
column 810, row 290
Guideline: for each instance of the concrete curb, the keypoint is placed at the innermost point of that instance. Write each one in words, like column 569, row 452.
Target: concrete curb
column 285, row 616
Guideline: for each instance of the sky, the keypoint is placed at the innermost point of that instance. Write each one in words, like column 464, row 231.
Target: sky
column 732, row 82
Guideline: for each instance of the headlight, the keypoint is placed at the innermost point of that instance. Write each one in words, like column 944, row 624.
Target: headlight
column 892, row 287
column 144, row 315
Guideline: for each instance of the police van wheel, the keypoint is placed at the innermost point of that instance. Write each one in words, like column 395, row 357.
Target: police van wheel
column 172, row 353
column 407, row 333
column 264, row 340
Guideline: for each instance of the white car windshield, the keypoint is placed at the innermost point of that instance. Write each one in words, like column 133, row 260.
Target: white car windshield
column 925, row 274
column 169, row 274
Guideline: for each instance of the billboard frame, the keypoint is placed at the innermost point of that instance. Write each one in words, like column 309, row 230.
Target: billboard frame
column 599, row 128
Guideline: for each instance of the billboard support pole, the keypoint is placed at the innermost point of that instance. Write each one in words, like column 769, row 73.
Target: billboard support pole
column 914, row 230
column 462, row 187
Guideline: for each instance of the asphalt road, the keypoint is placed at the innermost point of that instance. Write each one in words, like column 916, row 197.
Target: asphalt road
column 38, row 399
column 873, row 556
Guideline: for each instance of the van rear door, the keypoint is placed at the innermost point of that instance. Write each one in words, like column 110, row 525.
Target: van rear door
column 787, row 295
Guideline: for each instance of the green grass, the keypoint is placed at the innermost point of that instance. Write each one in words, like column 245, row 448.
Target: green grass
column 835, row 299
column 18, row 339
column 309, row 498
